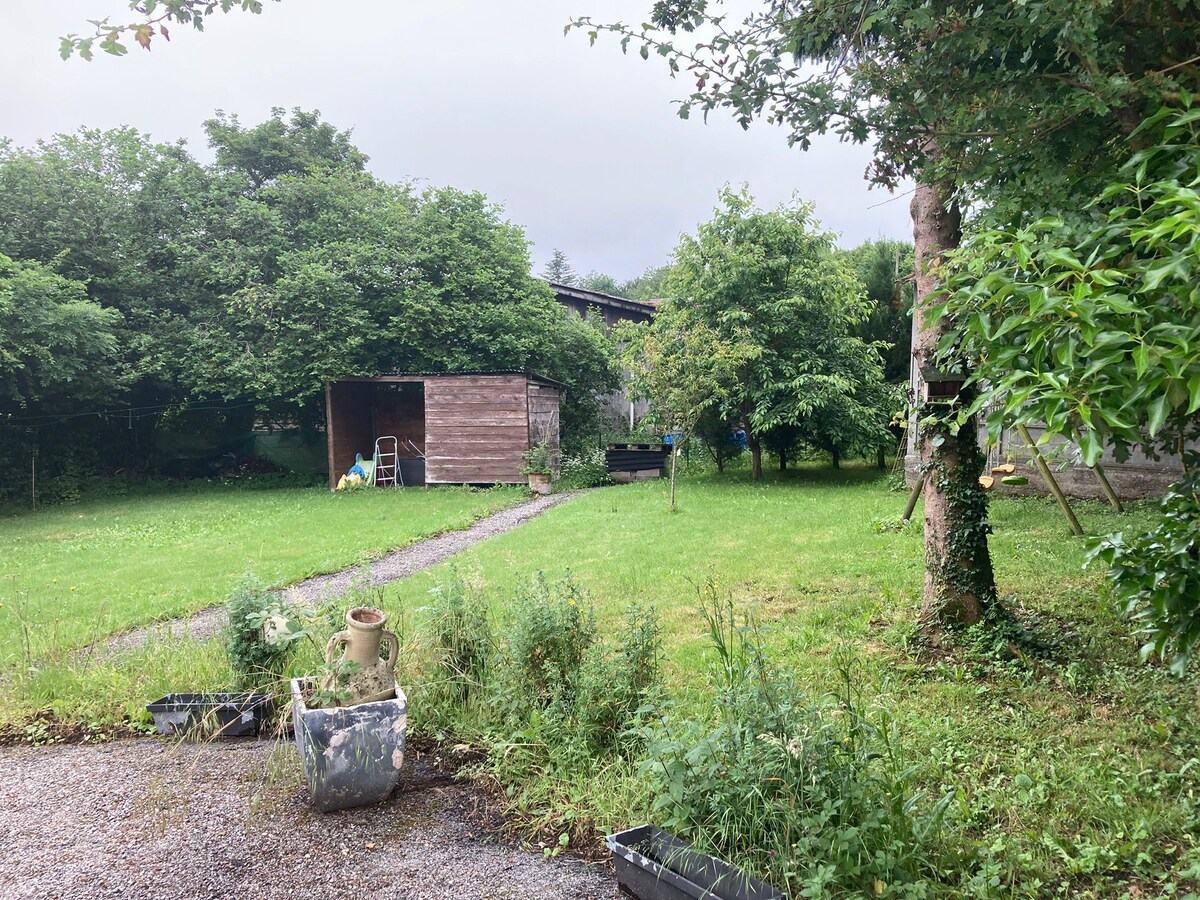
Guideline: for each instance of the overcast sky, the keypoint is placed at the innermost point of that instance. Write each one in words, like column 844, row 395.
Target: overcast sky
column 581, row 147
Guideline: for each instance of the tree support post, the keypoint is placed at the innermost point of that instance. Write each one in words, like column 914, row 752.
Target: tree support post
column 1051, row 482
column 1113, row 500
column 913, row 496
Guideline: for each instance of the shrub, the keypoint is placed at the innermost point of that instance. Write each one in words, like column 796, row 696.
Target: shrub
column 544, row 647
column 538, row 460
column 813, row 794
column 262, row 630
column 587, row 468
column 1155, row 576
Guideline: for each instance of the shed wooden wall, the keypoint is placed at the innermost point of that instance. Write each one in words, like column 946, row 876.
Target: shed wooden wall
column 476, row 429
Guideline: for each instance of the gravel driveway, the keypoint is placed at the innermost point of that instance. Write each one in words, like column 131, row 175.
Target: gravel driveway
column 149, row 819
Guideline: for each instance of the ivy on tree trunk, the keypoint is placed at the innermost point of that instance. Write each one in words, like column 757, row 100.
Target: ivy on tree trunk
column 960, row 586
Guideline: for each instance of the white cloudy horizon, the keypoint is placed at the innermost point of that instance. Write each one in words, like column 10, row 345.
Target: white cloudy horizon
column 581, row 146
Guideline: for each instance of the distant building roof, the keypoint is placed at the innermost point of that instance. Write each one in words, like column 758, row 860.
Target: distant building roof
column 597, row 298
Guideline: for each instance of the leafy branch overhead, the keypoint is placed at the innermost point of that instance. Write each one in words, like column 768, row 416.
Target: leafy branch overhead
column 1094, row 331
column 155, row 19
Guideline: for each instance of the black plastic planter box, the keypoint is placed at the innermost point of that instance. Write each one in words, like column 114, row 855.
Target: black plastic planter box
column 654, row 865
column 211, row 715
column 635, row 457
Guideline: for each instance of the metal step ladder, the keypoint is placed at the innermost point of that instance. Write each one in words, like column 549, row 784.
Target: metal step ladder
column 387, row 461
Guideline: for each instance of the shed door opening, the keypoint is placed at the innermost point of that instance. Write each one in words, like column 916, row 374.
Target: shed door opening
column 398, row 411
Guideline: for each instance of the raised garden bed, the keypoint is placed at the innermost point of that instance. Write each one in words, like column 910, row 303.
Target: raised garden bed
column 655, row 865
column 211, row 715
column 645, row 460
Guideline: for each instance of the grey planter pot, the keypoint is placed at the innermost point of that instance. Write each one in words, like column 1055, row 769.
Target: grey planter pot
column 352, row 754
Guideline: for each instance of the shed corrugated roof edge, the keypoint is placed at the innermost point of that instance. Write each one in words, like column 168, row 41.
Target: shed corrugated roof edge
column 601, row 298
column 533, row 375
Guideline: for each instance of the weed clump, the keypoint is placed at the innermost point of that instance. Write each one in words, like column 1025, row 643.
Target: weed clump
column 260, row 634
column 814, row 794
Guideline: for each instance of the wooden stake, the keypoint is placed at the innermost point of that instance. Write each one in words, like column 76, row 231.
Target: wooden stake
column 1051, row 483
column 912, row 500
column 1113, row 499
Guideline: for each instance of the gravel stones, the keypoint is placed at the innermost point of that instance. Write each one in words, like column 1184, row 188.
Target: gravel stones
column 151, row 819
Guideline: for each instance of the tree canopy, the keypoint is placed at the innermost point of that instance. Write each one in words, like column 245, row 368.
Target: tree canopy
column 770, row 284
column 281, row 265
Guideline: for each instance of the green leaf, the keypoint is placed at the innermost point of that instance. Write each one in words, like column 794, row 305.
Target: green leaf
column 1156, row 414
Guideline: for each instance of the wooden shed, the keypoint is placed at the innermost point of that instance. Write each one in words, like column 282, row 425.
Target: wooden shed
column 450, row 429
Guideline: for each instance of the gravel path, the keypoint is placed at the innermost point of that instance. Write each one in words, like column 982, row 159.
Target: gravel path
column 148, row 819
column 396, row 565
column 424, row 554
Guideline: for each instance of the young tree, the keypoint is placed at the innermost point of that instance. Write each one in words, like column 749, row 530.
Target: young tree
column 558, row 270
column 685, row 369
column 773, row 282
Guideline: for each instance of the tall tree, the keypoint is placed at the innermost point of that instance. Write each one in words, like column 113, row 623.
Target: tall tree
column 685, row 368
column 885, row 269
column 558, row 270
column 598, row 281
column 58, row 348
column 1007, row 103
column 254, row 279
column 650, row 285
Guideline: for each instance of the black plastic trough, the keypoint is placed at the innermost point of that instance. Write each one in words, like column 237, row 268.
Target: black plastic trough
column 211, row 715
column 635, row 457
column 655, row 865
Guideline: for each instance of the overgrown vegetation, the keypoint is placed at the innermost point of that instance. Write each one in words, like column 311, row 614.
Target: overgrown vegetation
column 545, row 697
column 813, row 791
column 584, row 469
column 1155, row 576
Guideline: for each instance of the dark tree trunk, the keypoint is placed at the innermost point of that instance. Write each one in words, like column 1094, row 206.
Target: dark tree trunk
column 782, row 460
column 755, row 456
column 880, row 459
column 960, row 587
column 720, row 463
column 837, row 458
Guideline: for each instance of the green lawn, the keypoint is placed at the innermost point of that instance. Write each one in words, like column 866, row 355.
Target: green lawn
column 74, row 574
column 1074, row 771
column 1076, row 774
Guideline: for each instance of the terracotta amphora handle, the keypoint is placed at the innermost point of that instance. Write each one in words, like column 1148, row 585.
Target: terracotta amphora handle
column 393, row 643
column 342, row 637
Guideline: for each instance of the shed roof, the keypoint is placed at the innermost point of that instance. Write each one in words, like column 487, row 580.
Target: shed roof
column 542, row 379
